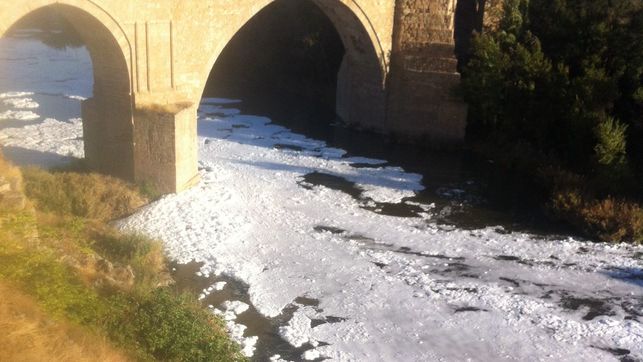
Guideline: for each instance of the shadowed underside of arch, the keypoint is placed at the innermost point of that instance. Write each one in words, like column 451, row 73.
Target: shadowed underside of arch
column 360, row 83
column 360, row 97
column 107, row 116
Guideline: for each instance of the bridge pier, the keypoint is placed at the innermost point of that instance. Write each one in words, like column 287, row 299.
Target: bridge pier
column 361, row 97
column 107, row 135
column 165, row 151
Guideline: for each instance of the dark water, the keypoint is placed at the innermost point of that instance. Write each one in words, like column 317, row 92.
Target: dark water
column 270, row 343
column 468, row 192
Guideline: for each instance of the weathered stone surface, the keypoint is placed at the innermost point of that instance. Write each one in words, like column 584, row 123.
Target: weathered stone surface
column 422, row 100
column 152, row 59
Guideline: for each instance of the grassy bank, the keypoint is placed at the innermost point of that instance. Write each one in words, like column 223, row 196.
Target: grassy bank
column 33, row 335
column 58, row 252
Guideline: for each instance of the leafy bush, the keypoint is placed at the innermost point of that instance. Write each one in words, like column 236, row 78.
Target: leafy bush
column 144, row 255
column 553, row 72
column 609, row 219
column 611, row 147
column 573, row 199
column 172, row 328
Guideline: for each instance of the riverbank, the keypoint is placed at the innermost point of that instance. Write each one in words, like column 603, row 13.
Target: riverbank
column 89, row 280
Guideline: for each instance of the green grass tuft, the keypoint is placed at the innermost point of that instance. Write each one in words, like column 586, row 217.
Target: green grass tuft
column 173, row 328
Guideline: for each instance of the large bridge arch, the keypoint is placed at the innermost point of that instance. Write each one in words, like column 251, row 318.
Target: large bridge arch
column 361, row 99
column 107, row 116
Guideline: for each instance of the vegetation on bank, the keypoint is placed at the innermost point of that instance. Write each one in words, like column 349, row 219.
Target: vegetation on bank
column 57, row 250
column 556, row 92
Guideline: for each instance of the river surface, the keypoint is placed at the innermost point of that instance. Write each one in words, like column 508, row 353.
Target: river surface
column 316, row 242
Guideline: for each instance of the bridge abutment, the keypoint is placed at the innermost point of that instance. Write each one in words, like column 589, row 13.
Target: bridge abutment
column 361, row 97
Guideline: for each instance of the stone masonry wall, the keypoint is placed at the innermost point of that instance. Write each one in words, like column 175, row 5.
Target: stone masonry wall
column 423, row 74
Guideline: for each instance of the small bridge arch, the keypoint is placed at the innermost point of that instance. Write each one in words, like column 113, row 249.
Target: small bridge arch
column 107, row 116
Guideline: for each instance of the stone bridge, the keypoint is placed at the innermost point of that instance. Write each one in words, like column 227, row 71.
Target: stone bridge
column 152, row 58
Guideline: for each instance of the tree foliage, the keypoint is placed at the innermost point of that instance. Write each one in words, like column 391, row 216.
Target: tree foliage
column 557, row 89
column 554, row 72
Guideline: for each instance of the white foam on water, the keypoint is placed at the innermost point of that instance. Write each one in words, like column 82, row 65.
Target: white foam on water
column 15, row 94
column 21, row 103
column 19, row 115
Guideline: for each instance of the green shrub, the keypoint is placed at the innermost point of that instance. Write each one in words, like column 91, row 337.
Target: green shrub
column 554, row 71
column 149, row 191
column 55, row 285
column 172, row 328
column 558, row 83
column 144, row 255
column 612, row 145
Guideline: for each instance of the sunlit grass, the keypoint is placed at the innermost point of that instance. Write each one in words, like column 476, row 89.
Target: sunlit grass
column 31, row 335
column 81, row 272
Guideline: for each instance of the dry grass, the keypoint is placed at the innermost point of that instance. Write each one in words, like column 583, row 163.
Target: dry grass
column 11, row 196
column 27, row 334
column 6, row 167
column 11, row 174
column 607, row 218
column 90, row 196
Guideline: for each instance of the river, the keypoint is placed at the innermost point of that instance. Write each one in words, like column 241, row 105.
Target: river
column 317, row 242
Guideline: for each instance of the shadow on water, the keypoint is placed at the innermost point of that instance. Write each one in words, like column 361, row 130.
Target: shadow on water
column 350, row 188
column 628, row 275
column 467, row 192
column 26, row 157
